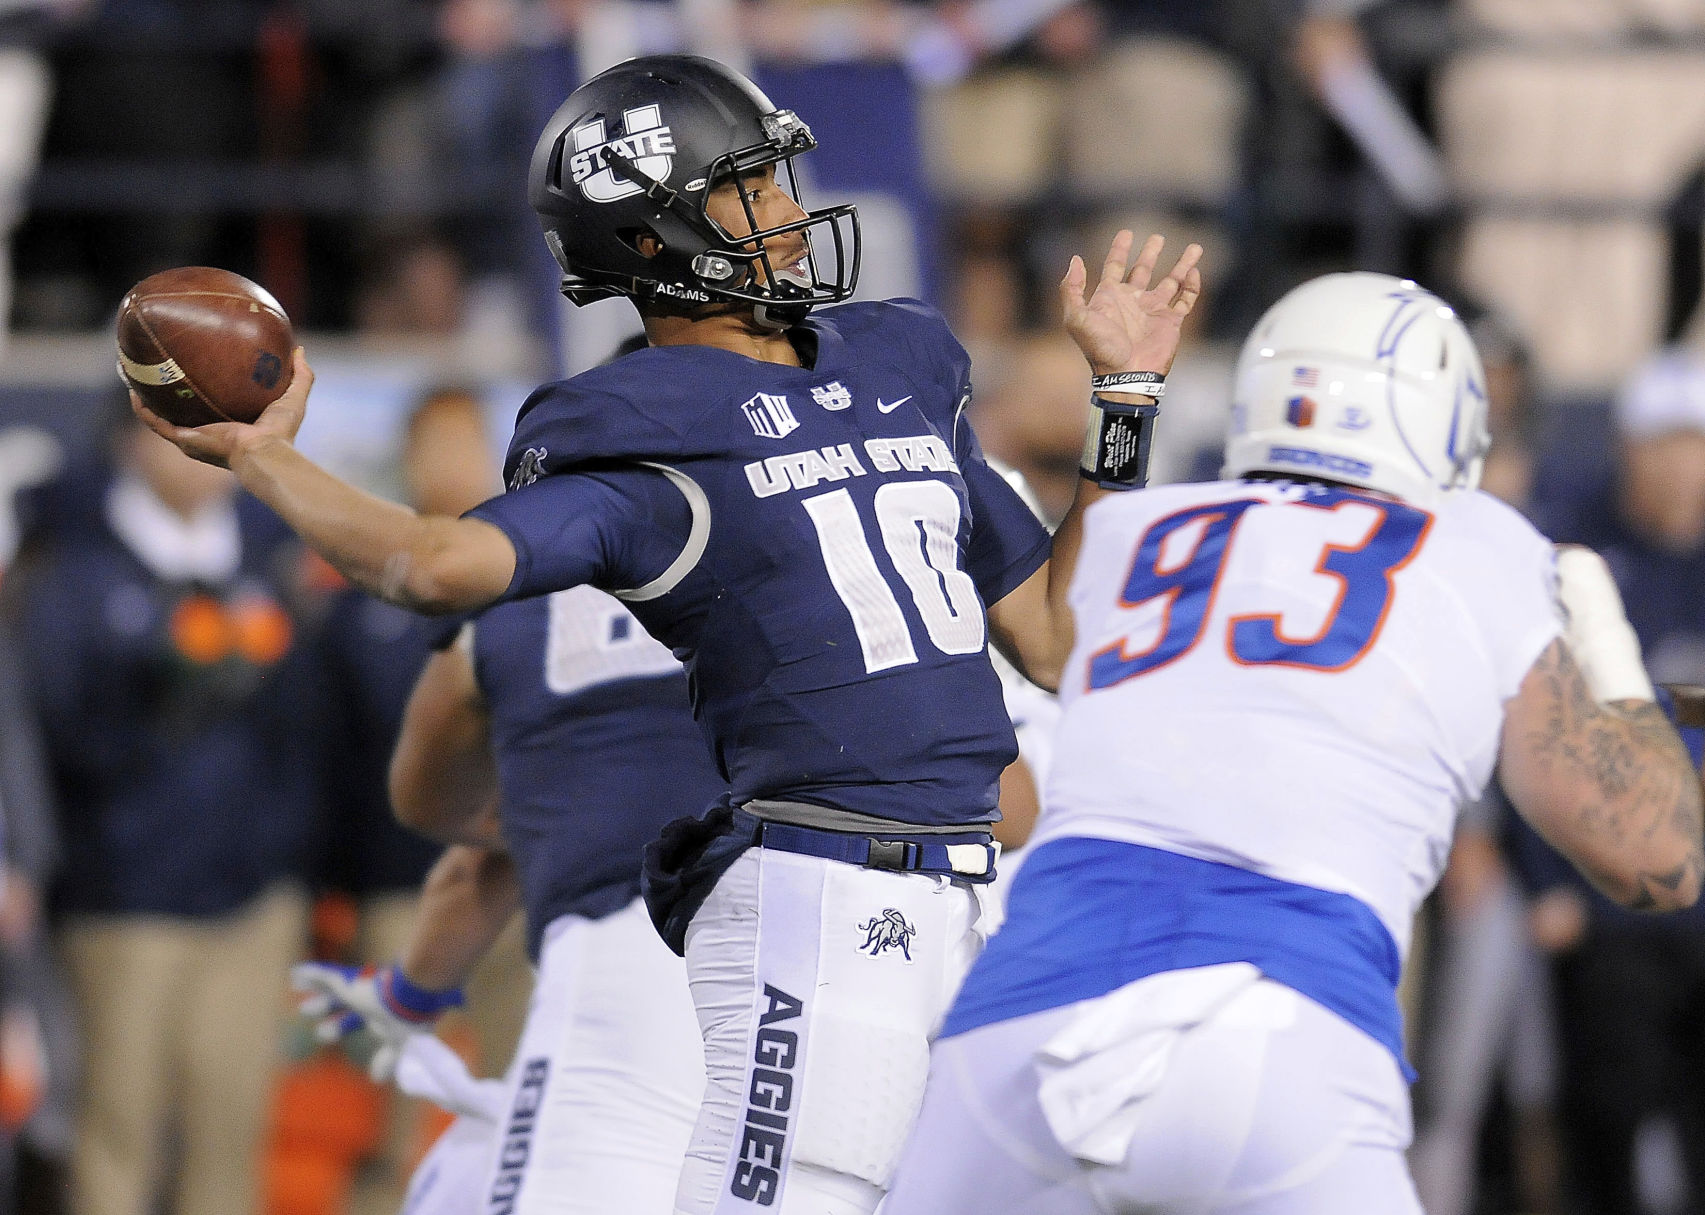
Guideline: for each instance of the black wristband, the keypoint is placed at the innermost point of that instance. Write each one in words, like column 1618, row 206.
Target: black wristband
column 1142, row 383
column 1116, row 447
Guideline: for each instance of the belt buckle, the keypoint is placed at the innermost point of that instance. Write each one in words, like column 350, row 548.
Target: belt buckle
column 894, row 855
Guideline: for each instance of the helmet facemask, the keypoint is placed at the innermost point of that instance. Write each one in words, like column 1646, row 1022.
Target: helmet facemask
column 746, row 272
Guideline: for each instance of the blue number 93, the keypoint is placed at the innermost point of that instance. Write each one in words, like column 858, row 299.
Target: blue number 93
column 1188, row 584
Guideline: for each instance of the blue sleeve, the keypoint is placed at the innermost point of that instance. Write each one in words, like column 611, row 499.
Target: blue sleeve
column 1008, row 542
column 614, row 530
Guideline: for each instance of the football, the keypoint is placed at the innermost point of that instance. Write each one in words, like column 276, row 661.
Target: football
column 203, row 345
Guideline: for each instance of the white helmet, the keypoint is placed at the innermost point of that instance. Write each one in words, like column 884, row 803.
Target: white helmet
column 1365, row 379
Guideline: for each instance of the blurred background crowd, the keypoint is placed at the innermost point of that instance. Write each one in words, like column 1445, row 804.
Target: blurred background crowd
column 195, row 718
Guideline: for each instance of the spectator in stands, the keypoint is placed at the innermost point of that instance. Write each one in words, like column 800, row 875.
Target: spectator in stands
column 1630, row 998
column 486, row 111
column 36, row 1066
column 1649, row 518
column 1031, row 392
column 414, row 285
column 157, row 619
column 1044, row 112
column 1631, row 990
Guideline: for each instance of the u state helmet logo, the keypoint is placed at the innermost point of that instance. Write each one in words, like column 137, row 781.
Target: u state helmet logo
column 645, row 140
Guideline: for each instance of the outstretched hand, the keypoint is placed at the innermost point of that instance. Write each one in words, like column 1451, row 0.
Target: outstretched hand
column 221, row 443
column 343, row 999
column 1126, row 324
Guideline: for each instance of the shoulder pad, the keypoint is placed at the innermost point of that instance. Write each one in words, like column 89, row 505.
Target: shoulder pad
column 911, row 332
column 640, row 407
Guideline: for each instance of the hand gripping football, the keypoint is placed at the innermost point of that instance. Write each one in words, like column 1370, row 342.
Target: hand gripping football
column 203, row 345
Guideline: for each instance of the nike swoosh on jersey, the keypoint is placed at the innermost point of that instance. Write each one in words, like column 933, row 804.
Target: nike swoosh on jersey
column 890, row 406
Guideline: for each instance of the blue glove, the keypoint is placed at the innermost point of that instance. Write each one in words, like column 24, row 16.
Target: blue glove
column 347, row 998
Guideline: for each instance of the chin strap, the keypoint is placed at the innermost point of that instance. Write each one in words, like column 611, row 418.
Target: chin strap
column 655, row 190
column 779, row 316
column 782, row 313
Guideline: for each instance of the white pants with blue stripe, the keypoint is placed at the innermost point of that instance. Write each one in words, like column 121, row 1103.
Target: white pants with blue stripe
column 1211, row 1091
column 599, row 1104
column 818, row 985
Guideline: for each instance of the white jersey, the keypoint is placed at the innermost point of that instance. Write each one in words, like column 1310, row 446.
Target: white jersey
column 1297, row 680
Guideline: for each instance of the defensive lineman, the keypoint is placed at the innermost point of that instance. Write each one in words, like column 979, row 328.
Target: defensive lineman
column 795, row 504
column 1281, row 689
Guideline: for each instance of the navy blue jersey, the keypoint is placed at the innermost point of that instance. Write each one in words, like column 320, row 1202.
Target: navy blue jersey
column 595, row 746
column 817, row 544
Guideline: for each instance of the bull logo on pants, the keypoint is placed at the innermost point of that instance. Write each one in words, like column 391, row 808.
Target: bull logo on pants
column 888, row 931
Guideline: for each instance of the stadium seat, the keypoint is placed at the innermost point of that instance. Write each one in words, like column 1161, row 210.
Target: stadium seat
column 997, row 137
column 1565, row 158
column 1119, row 141
column 1593, row 18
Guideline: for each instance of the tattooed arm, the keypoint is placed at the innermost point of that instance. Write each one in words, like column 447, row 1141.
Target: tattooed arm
column 1610, row 786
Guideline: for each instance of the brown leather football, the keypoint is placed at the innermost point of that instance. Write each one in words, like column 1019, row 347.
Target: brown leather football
column 204, row 345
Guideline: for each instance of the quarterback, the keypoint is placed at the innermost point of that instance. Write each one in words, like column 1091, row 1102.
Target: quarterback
column 788, row 496
column 1281, row 688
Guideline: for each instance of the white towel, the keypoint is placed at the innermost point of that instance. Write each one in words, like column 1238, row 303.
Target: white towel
column 1095, row 1072
column 433, row 1072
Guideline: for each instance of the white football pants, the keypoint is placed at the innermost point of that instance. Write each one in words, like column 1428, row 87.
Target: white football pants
column 600, row 1100
column 817, row 985
column 1197, row 1092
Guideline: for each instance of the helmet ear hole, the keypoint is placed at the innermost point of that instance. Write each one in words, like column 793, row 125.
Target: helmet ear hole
column 553, row 166
column 642, row 241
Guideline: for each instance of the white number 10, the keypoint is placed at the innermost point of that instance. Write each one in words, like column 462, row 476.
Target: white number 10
column 920, row 525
